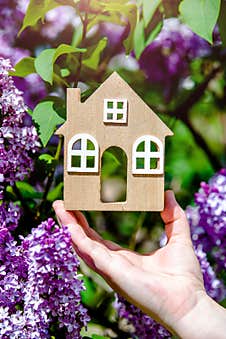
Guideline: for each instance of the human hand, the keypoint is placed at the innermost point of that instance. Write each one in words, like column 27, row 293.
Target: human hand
column 166, row 284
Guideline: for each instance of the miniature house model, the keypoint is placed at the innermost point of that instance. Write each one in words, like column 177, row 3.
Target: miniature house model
column 113, row 116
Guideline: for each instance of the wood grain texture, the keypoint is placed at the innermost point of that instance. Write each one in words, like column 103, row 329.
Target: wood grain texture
column 82, row 191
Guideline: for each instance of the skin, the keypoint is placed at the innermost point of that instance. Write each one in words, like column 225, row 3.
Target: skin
column 166, row 284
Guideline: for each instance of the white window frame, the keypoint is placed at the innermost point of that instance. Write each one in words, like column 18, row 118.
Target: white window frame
column 83, row 153
column 115, row 111
column 147, row 154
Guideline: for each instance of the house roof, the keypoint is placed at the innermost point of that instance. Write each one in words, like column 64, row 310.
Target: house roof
column 115, row 80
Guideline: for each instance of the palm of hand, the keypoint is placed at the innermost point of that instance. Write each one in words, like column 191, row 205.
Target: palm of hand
column 166, row 282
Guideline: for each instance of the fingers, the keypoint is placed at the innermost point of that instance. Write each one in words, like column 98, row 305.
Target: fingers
column 176, row 224
column 63, row 217
column 68, row 217
column 88, row 244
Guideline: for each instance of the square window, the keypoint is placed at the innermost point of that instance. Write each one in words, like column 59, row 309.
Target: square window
column 115, row 111
column 76, row 161
column 90, row 161
column 139, row 163
column 90, row 145
column 154, row 163
column 119, row 116
column 110, row 104
column 109, row 116
column 140, row 147
column 120, row 104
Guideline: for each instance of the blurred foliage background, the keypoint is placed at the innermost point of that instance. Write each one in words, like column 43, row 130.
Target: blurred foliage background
column 171, row 52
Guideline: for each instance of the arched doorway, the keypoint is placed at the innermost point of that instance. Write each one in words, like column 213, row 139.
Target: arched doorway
column 113, row 179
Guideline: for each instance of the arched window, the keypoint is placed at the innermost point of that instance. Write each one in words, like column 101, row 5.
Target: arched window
column 83, row 154
column 147, row 155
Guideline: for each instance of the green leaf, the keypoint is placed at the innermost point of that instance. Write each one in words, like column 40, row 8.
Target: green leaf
column 46, row 117
column 201, row 16
column 36, row 10
column 27, row 191
column 47, row 158
column 46, row 59
column 66, row 49
column 154, row 33
column 56, row 193
column 64, row 72
column 93, row 61
column 139, row 39
column 112, row 17
column 24, row 67
column 90, row 293
column 149, row 8
column 97, row 336
column 44, row 64
column 77, row 36
column 59, row 105
column 131, row 12
column 222, row 21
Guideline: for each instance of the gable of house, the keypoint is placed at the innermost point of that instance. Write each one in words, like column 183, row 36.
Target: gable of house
column 114, row 90
column 113, row 116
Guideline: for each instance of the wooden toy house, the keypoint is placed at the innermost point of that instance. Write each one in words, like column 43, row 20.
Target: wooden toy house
column 114, row 115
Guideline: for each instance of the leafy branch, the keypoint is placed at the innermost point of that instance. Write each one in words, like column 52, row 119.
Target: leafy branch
column 182, row 112
column 84, row 21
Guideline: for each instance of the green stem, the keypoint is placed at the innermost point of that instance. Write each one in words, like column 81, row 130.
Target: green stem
column 50, row 176
column 84, row 31
column 59, row 148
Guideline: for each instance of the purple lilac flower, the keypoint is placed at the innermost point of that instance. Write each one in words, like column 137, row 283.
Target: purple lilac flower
column 208, row 219
column 9, row 216
column 16, row 140
column 11, row 17
column 166, row 60
column 32, row 86
column 57, row 20
column 11, row 20
column 39, row 284
column 144, row 326
column 52, row 277
column 13, row 271
column 115, row 35
column 213, row 286
column 33, row 89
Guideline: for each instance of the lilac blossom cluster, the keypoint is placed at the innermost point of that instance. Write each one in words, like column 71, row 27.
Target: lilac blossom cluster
column 11, row 20
column 39, row 284
column 16, row 48
column 208, row 230
column 208, row 219
column 166, row 60
column 144, row 327
column 17, row 141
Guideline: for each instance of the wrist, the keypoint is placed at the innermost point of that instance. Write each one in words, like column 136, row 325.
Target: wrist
column 206, row 320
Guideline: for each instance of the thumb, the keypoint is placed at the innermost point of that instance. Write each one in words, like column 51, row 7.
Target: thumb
column 176, row 224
